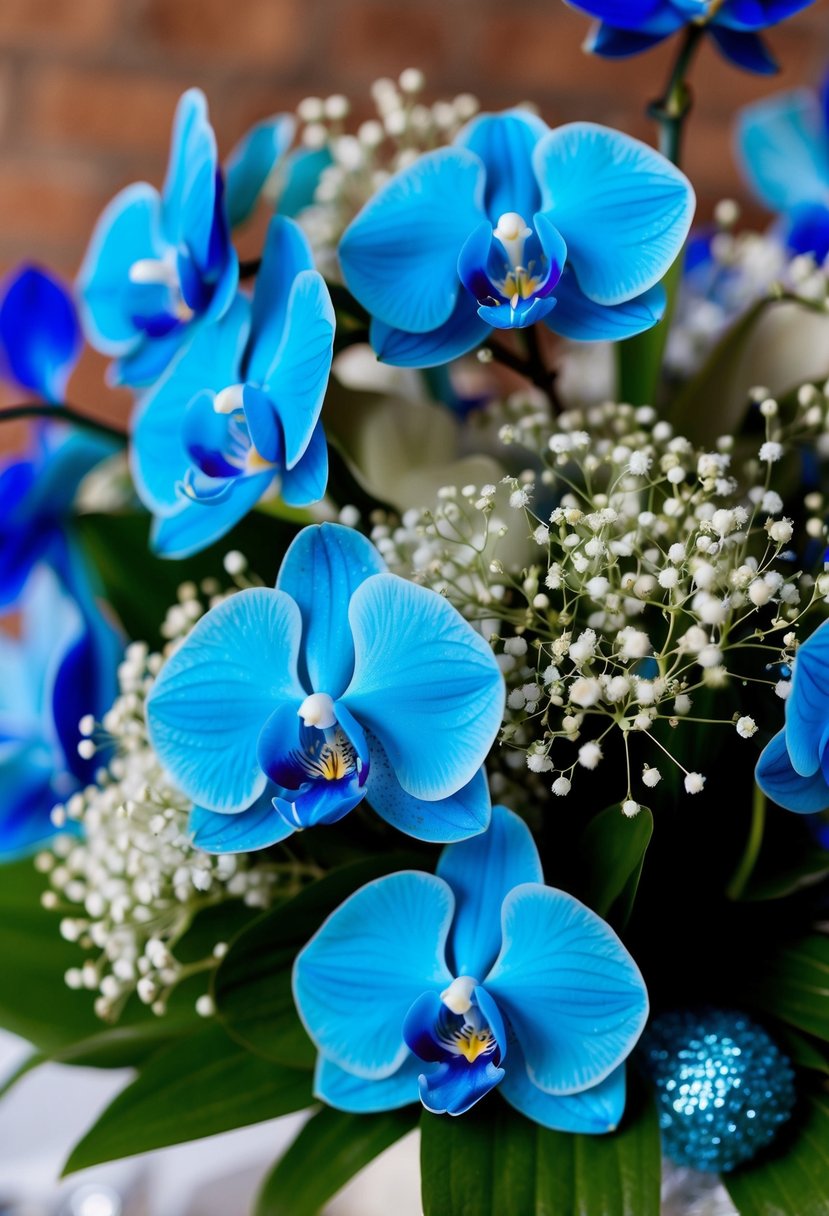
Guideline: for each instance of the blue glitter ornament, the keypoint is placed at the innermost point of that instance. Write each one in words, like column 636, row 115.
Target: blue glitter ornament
column 722, row 1086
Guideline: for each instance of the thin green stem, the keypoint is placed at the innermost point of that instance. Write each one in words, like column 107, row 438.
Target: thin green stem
column 673, row 107
column 748, row 861
column 63, row 413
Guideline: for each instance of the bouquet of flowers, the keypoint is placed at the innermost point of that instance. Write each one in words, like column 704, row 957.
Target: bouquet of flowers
column 420, row 716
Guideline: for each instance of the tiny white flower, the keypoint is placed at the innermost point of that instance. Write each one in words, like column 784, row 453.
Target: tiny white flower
column 682, row 704
column 515, row 646
column 585, row 692
column 783, row 689
column 590, row 754
column 539, row 763
column 781, row 531
column 561, row 787
column 651, row 776
column 694, row 783
column 770, row 452
column 630, row 808
column 746, row 727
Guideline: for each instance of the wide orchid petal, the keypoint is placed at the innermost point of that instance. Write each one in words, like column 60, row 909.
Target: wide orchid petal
column 594, row 1111
column 342, row 1090
column 198, row 524
column 191, row 173
column 251, row 163
column 323, row 567
column 399, row 255
column 359, row 975
column 463, row 332
column 286, row 254
column 745, row 49
column 573, row 995
column 779, row 780
column 442, row 821
column 307, row 481
column 807, row 707
column 298, row 376
column 481, row 873
column 40, row 338
column 504, row 143
column 758, row 14
column 646, row 16
column 425, row 683
column 610, row 42
column 582, row 320
column 783, row 151
column 210, row 361
column 623, row 209
column 259, row 827
column 214, row 695
column 128, row 231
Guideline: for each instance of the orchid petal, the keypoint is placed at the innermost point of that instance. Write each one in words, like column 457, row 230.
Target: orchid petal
column 286, row 254
column 779, row 780
column 442, row 821
column 342, row 1090
column 573, row 995
column 463, row 332
column 581, row 320
column 594, row 1111
column 40, row 339
column 504, row 143
column 425, row 683
column 807, row 708
column 399, row 255
column 358, row 976
column 251, row 163
column 215, row 693
column 783, row 150
column 258, row 827
column 623, row 209
column 481, row 873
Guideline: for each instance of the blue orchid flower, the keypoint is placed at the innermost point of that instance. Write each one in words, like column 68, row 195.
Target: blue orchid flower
column 237, row 412
column 36, row 496
column 62, row 668
column 158, row 264
column 40, row 337
column 793, row 769
column 783, row 146
column 344, row 683
column 447, row 985
column 626, row 27
column 516, row 224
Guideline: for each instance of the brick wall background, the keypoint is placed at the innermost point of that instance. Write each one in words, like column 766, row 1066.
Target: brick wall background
column 88, row 87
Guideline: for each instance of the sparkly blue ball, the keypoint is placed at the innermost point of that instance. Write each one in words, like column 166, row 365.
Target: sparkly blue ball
column 722, row 1086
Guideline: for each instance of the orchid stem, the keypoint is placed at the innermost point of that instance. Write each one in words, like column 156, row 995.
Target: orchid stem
column 63, row 413
column 532, row 368
column 748, row 861
column 674, row 106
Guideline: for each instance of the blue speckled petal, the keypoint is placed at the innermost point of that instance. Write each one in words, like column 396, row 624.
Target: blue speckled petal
column 442, row 821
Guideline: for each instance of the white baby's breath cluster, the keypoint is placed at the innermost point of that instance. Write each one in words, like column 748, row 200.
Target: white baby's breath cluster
column 744, row 267
column 625, row 574
column 124, row 874
column 363, row 159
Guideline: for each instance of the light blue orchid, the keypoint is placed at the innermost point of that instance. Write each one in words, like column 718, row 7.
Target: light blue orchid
column 236, row 414
column 158, row 264
column 447, row 985
column 793, row 769
column 40, row 338
column 513, row 224
column 62, row 668
column 783, row 146
column 344, row 683
column 626, row 27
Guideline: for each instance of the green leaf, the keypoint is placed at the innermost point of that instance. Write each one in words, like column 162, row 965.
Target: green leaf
column 612, row 852
column 141, row 587
column 195, row 1087
column 29, row 1064
column 640, row 358
column 709, row 404
column 493, row 1161
column 792, row 1179
column 252, row 986
column 803, row 1051
column 809, row 870
column 794, row 985
column 34, row 999
column 331, row 1148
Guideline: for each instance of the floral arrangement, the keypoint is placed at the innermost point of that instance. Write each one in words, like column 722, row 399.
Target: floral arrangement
column 420, row 716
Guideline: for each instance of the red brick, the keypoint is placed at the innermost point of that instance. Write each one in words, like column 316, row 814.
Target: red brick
column 106, row 109
column 49, row 201
column 370, row 40
column 59, row 23
column 272, row 32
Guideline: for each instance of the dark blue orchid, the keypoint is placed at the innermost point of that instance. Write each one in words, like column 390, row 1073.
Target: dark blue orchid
column 285, row 708
column 516, row 224
column 62, row 668
column 36, row 496
column 447, row 985
column 793, row 769
column 237, row 412
column 626, row 27
column 40, row 338
column 159, row 263
column 783, row 145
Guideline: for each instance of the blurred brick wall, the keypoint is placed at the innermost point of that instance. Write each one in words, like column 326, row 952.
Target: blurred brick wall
column 88, row 87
